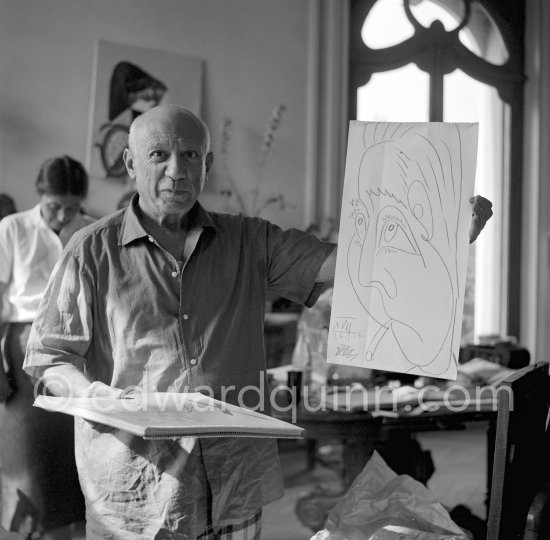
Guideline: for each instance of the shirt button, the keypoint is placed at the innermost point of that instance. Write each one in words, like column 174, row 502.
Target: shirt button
column 150, row 238
column 185, row 316
column 174, row 274
column 193, row 361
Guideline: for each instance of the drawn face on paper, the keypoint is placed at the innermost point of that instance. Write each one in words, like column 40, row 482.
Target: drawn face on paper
column 395, row 257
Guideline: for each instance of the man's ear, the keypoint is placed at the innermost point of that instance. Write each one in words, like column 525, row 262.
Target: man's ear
column 129, row 162
column 209, row 161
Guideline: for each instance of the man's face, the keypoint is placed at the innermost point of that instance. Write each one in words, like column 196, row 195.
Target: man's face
column 59, row 210
column 396, row 264
column 169, row 161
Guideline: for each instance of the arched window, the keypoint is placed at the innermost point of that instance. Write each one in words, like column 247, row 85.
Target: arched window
column 455, row 61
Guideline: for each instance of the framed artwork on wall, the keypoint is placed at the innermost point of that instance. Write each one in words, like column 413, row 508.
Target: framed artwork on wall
column 126, row 82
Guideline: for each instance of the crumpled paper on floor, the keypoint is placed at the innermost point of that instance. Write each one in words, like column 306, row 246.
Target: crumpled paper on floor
column 380, row 505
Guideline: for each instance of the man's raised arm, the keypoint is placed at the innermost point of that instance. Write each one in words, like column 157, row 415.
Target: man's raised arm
column 328, row 268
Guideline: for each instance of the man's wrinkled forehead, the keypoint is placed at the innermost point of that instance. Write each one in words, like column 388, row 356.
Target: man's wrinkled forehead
column 169, row 127
column 179, row 123
column 152, row 137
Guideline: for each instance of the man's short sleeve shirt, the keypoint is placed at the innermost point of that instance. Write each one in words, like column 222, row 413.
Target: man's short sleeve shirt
column 122, row 309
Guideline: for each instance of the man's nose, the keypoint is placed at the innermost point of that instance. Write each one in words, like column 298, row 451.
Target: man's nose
column 176, row 167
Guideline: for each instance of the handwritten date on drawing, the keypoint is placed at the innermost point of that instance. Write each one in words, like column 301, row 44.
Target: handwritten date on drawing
column 346, row 351
column 343, row 324
column 343, row 330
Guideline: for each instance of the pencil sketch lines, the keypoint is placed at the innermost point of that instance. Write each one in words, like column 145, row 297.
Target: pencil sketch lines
column 401, row 258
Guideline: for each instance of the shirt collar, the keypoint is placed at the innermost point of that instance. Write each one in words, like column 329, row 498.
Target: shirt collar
column 132, row 229
column 37, row 218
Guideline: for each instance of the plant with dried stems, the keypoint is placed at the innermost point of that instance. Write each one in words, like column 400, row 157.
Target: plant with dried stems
column 251, row 205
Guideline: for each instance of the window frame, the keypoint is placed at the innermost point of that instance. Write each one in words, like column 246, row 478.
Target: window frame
column 508, row 79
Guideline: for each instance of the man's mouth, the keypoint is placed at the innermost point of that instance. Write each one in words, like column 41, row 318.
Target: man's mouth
column 175, row 192
column 175, row 195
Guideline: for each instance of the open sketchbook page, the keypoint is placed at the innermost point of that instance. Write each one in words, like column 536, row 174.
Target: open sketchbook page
column 403, row 247
column 167, row 415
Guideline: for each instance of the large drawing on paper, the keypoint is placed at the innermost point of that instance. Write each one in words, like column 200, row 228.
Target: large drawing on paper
column 403, row 247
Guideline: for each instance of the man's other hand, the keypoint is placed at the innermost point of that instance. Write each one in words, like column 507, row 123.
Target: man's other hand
column 481, row 214
column 98, row 389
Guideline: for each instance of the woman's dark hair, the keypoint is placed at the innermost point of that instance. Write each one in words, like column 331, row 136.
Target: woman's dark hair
column 7, row 205
column 62, row 176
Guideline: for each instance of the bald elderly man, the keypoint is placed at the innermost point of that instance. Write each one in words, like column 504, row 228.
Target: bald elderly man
column 165, row 296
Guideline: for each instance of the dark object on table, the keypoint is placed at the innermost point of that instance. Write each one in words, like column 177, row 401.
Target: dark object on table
column 504, row 353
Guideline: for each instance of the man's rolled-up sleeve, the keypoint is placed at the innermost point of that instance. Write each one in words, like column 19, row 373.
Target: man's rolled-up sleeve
column 62, row 330
column 294, row 260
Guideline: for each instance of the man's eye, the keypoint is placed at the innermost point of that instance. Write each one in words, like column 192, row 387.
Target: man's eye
column 157, row 154
column 191, row 154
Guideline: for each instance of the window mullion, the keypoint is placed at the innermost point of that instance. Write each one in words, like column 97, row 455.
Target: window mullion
column 436, row 89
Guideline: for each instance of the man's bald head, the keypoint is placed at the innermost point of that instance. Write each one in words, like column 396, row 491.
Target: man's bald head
column 177, row 116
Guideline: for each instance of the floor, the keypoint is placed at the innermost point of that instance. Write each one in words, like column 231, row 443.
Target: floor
column 459, row 478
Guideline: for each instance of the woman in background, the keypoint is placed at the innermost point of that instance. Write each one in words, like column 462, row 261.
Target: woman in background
column 40, row 495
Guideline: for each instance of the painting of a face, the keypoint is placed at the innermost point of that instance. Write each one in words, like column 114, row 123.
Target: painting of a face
column 406, row 284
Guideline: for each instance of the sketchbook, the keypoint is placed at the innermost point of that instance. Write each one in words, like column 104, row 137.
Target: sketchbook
column 166, row 415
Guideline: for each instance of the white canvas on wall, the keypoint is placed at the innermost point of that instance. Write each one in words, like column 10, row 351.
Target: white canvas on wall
column 403, row 247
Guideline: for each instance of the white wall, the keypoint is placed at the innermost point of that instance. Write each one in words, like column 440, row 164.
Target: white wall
column 255, row 54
